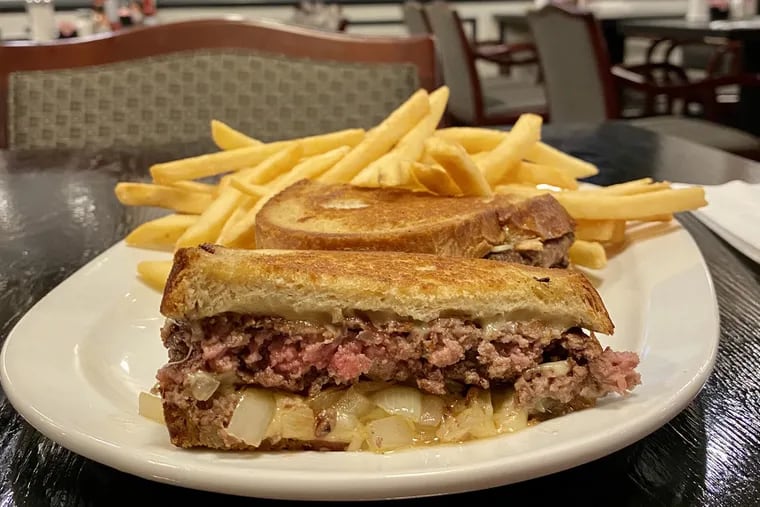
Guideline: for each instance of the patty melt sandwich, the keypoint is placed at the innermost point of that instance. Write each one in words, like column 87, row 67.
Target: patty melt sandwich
column 374, row 350
column 310, row 215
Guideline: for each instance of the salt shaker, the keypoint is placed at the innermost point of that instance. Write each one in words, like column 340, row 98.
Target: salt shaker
column 41, row 15
column 743, row 9
column 697, row 11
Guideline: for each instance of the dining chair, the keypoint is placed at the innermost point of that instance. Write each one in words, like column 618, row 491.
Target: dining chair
column 699, row 60
column 163, row 84
column 583, row 87
column 506, row 56
column 475, row 100
column 415, row 20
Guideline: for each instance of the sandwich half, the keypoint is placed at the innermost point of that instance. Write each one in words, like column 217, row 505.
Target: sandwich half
column 310, row 215
column 372, row 350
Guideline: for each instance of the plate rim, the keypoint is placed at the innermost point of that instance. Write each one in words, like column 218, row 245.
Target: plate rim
column 407, row 485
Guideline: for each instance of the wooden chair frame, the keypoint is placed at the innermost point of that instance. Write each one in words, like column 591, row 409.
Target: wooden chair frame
column 480, row 118
column 640, row 77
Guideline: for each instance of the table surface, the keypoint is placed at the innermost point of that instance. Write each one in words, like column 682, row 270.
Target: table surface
column 747, row 30
column 614, row 14
column 58, row 211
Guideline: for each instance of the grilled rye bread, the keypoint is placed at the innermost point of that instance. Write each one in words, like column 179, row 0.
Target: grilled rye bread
column 303, row 322
column 310, row 215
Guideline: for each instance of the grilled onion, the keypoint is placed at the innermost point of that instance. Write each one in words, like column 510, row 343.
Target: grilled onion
column 400, row 400
column 252, row 416
column 203, row 385
column 149, row 405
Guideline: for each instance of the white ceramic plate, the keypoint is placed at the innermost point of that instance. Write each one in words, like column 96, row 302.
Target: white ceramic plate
column 96, row 340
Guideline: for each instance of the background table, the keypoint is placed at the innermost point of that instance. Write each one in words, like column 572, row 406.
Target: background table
column 745, row 31
column 608, row 21
column 57, row 211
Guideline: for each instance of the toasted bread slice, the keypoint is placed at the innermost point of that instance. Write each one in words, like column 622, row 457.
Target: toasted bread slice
column 308, row 285
column 315, row 216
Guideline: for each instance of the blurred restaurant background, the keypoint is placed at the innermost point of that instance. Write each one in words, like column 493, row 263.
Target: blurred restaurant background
column 687, row 68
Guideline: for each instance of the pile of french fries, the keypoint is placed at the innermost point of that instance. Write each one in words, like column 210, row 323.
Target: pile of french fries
column 406, row 150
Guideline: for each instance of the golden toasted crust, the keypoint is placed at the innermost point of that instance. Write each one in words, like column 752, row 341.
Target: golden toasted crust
column 316, row 216
column 209, row 280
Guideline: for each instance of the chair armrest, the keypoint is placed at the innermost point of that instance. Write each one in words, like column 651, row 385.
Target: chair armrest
column 648, row 69
column 515, row 47
column 627, row 77
column 509, row 54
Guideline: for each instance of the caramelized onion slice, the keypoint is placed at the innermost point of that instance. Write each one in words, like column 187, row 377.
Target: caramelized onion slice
column 400, row 400
column 390, row 433
column 252, row 416
column 506, row 415
column 552, row 369
column 432, row 410
column 203, row 385
column 149, row 406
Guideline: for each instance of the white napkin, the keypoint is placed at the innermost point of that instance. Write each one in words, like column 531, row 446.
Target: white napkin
column 733, row 213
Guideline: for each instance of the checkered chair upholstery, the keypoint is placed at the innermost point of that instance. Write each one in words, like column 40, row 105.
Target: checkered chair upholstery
column 173, row 97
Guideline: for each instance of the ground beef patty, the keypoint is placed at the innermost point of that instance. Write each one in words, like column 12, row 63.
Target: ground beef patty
column 438, row 357
column 554, row 254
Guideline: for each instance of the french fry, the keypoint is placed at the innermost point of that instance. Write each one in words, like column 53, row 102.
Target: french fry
column 593, row 205
column 273, row 167
column 210, row 223
column 241, row 234
column 212, row 220
column 369, row 176
column 196, row 186
column 227, row 138
column 161, row 233
column 249, row 189
column 236, row 216
column 214, row 163
column 314, row 167
column 409, row 148
column 536, row 174
column 622, row 188
column 434, row 178
column 479, row 140
column 666, row 217
column 233, row 160
column 542, row 153
column 588, row 253
column 581, row 204
column 405, row 150
column 633, row 187
column 322, row 143
column 317, row 145
column 397, row 176
column 522, row 189
column 473, row 139
column 161, row 196
column 380, row 139
column 154, row 273
column 497, row 165
column 597, row 230
column 618, row 232
column 459, row 166
column 224, row 182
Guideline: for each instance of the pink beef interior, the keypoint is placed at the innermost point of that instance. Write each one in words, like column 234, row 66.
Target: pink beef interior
column 438, row 357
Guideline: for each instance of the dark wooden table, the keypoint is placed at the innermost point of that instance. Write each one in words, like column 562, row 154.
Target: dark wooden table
column 57, row 212
column 746, row 32
column 608, row 22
